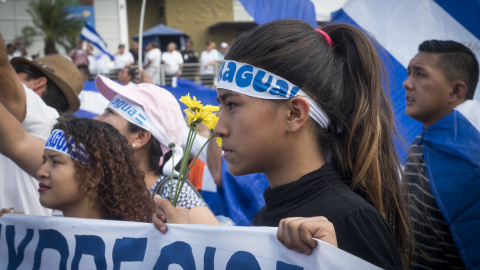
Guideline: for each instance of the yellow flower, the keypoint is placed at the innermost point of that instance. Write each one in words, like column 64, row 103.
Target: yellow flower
column 211, row 108
column 191, row 104
column 219, row 141
column 197, row 116
column 210, row 121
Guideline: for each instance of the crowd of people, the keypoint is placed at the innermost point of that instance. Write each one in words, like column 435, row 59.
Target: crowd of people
column 308, row 108
column 171, row 64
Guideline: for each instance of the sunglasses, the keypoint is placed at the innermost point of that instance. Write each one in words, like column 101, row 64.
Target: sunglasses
column 28, row 71
column 33, row 71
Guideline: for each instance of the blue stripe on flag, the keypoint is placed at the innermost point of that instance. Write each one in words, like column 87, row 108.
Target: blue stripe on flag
column 264, row 11
column 466, row 12
column 397, row 73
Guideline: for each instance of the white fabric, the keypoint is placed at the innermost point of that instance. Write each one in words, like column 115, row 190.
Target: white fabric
column 207, row 57
column 17, row 188
column 173, row 61
column 102, row 63
column 470, row 109
column 153, row 69
column 92, row 101
column 256, row 82
column 136, row 245
column 121, row 60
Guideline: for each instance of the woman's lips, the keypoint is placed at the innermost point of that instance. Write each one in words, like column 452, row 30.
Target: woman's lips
column 42, row 187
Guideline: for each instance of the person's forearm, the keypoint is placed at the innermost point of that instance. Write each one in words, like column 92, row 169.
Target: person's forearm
column 17, row 144
column 12, row 94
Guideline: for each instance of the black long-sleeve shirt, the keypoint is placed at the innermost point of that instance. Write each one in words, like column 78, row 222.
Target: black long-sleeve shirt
column 360, row 228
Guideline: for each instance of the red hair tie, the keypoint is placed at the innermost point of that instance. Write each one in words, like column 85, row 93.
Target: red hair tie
column 326, row 36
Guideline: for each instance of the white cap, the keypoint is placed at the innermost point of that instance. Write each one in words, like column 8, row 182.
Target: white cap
column 224, row 45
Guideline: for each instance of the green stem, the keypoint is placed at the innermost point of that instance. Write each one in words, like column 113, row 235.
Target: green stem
column 201, row 149
column 171, row 177
column 186, row 155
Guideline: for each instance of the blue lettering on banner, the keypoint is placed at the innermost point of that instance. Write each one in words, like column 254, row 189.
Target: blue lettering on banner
column 54, row 240
column 124, row 250
column 242, row 260
column 16, row 258
column 128, row 250
column 258, row 85
column 286, row 266
column 89, row 245
column 176, row 253
column 244, row 76
column 208, row 258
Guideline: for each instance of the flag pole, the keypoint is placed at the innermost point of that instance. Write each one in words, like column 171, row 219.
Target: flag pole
column 140, row 37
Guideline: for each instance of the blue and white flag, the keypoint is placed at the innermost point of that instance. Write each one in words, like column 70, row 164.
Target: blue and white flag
column 452, row 155
column 264, row 11
column 90, row 35
column 400, row 26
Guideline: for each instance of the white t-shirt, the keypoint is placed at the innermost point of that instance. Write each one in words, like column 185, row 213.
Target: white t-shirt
column 154, row 68
column 121, row 60
column 173, row 61
column 207, row 57
column 17, row 188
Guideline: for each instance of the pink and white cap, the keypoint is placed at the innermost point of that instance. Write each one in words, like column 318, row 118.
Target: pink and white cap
column 162, row 110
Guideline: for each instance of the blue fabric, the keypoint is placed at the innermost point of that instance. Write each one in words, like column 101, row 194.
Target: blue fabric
column 452, row 154
column 465, row 12
column 240, row 198
column 207, row 95
column 264, row 11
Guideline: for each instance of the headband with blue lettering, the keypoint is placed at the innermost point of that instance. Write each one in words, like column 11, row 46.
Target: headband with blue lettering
column 135, row 114
column 57, row 142
column 256, row 82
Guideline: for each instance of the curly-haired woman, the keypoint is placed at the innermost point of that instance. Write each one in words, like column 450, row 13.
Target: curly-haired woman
column 89, row 171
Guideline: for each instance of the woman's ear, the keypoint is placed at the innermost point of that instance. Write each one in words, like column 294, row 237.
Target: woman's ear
column 142, row 137
column 298, row 113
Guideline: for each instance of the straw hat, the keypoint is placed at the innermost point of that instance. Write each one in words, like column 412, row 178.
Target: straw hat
column 62, row 72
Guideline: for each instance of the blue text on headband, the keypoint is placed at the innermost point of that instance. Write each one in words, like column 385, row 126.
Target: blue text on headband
column 256, row 82
column 135, row 114
column 57, row 142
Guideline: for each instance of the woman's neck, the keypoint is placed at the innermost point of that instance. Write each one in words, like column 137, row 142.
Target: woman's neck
column 84, row 210
column 304, row 156
column 151, row 176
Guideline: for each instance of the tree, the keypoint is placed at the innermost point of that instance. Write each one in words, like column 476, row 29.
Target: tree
column 57, row 24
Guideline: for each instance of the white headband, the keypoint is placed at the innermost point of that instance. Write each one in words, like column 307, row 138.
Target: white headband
column 135, row 114
column 256, row 82
column 57, row 142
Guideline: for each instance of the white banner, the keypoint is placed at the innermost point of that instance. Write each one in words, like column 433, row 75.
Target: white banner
column 34, row 242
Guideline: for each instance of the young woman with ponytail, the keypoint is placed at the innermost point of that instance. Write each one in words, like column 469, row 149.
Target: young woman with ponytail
column 308, row 108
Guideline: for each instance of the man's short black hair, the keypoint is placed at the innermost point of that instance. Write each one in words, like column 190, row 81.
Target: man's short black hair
column 456, row 61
